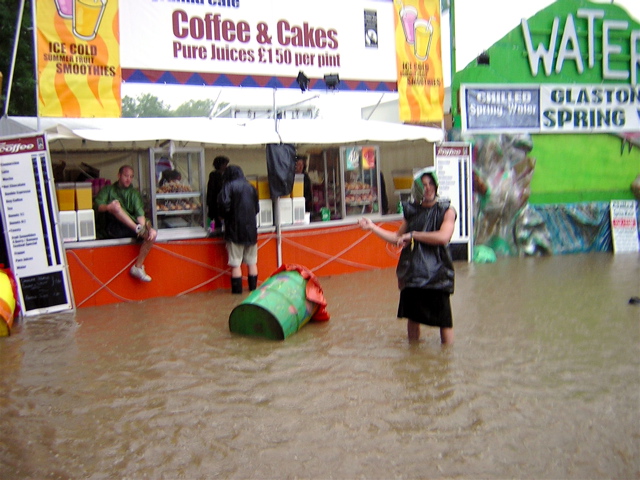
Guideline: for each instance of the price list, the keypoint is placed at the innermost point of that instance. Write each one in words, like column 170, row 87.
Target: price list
column 30, row 226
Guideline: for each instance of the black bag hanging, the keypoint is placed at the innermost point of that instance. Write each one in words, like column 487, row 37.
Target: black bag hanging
column 281, row 159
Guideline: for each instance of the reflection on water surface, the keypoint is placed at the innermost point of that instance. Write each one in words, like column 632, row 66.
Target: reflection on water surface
column 543, row 382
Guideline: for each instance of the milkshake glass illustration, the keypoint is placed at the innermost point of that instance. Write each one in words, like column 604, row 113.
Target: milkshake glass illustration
column 65, row 8
column 408, row 17
column 423, row 33
column 87, row 15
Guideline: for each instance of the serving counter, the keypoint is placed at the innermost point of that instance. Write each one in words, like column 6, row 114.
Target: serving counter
column 184, row 262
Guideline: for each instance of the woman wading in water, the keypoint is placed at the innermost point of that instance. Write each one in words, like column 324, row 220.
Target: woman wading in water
column 425, row 269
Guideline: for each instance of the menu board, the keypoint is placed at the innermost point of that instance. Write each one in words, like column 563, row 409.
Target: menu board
column 30, row 223
column 453, row 167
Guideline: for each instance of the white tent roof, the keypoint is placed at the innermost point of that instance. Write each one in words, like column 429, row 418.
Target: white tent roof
column 106, row 133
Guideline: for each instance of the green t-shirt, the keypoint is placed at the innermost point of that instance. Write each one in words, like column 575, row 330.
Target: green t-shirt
column 129, row 198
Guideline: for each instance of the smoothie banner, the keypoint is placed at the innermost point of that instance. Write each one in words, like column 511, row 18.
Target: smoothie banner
column 419, row 60
column 193, row 42
column 550, row 108
column 78, row 58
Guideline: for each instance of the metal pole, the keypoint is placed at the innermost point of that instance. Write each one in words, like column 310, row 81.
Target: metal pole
column 13, row 57
column 35, row 63
column 276, row 204
column 275, row 113
column 452, row 51
column 276, row 218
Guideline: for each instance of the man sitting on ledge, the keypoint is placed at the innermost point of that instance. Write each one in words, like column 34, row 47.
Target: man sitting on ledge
column 123, row 208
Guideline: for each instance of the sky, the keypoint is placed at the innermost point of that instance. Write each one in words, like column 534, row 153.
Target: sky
column 479, row 24
column 490, row 20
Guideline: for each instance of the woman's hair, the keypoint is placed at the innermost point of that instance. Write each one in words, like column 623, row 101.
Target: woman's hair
column 417, row 188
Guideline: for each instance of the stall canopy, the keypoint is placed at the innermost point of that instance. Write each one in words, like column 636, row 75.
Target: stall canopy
column 108, row 133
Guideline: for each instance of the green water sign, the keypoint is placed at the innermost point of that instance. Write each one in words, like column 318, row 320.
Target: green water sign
column 571, row 42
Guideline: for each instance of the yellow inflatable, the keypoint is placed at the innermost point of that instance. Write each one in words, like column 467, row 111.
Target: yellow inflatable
column 7, row 304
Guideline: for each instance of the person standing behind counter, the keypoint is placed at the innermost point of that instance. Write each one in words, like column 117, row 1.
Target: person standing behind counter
column 301, row 165
column 425, row 269
column 238, row 204
column 123, row 208
column 214, row 187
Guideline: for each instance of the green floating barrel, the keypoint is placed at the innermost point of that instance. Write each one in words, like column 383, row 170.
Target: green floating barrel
column 276, row 310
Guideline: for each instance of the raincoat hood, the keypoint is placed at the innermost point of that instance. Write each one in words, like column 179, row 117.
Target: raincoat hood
column 233, row 172
column 417, row 188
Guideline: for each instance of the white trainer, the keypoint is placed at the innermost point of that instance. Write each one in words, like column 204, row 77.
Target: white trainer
column 139, row 273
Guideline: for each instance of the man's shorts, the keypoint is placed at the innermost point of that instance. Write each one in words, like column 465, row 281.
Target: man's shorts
column 239, row 253
column 116, row 229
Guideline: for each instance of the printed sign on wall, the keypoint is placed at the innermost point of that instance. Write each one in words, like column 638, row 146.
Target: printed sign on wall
column 252, row 43
column 624, row 226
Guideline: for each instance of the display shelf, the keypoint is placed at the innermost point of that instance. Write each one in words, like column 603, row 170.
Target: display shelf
column 358, row 204
column 180, row 203
column 174, row 196
column 166, row 213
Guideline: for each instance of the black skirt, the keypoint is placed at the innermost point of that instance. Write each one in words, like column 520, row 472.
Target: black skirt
column 429, row 307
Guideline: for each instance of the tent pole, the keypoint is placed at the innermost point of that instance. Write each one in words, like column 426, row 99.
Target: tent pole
column 452, row 51
column 276, row 219
column 276, row 204
column 35, row 63
column 275, row 113
column 13, row 57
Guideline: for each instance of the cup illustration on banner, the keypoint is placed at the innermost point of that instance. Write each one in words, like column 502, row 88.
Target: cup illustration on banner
column 65, row 8
column 87, row 15
column 408, row 16
column 423, row 33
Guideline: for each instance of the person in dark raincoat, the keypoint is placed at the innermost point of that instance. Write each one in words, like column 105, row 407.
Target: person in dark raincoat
column 238, row 204
column 214, row 186
column 425, row 269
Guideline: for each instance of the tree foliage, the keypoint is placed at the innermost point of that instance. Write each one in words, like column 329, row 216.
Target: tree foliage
column 195, row 108
column 22, row 100
column 148, row 105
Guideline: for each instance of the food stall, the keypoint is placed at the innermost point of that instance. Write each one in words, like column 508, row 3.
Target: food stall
column 187, row 257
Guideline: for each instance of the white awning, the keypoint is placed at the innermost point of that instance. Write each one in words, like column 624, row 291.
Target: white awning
column 124, row 133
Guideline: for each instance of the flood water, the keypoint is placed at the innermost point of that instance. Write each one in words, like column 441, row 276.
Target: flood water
column 543, row 382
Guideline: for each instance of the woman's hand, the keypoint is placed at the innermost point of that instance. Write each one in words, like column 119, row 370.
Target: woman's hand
column 366, row 223
column 404, row 240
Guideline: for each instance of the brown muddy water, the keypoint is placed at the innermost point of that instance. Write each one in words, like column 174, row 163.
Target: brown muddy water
column 543, row 382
